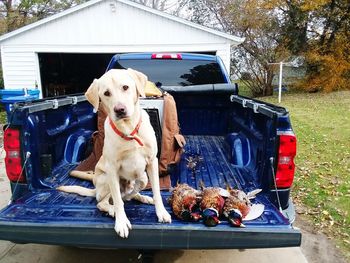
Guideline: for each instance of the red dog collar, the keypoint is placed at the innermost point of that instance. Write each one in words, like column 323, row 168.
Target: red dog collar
column 128, row 137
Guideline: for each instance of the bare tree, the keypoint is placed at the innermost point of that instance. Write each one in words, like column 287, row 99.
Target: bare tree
column 161, row 5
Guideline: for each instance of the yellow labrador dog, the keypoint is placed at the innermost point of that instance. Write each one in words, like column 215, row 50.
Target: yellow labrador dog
column 130, row 146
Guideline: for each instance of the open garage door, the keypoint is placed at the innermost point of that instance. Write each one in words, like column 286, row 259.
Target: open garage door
column 66, row 73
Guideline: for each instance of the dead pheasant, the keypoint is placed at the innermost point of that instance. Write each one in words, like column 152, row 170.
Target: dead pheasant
column 212, row 204
column 184, row 202
column 237, row 206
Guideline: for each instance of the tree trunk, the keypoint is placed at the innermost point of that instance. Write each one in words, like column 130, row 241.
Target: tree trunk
column 268, row 90
column 268, row 86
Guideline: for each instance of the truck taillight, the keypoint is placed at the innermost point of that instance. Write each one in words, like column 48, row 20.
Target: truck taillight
column 166, row 56
column 285, row 165
column 13, row 160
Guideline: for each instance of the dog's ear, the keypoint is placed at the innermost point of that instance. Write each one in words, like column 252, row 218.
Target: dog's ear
column 92, row 94
column 140, row 79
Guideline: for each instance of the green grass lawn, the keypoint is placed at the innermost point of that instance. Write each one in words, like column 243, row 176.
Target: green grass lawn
column 322, row 181
column 2, row 117
column 242, row 88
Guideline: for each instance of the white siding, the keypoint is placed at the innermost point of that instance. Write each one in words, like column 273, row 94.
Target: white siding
column 127, row 26
column 19, row 67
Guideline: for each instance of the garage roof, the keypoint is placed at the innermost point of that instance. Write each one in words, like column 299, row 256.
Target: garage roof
column 14, row 33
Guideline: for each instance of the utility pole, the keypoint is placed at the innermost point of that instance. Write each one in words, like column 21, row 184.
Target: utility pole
column 280, row 78
column 280, row 83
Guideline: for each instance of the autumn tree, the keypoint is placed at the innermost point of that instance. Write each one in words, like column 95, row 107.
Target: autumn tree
column 293, row 24
column 170, row 6
column 261, row 28
column 317, row 30
column 328, row 55
column 15, row 14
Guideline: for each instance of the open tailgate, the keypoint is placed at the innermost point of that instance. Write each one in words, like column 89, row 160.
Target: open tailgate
column 52, row 217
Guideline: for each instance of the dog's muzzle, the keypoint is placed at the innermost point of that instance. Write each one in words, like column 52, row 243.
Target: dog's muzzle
column 120, row 111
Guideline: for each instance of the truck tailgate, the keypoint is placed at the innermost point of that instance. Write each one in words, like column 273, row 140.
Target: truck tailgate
column 51, row 217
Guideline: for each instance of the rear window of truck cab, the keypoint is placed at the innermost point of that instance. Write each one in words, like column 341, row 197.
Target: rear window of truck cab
column 169, row 72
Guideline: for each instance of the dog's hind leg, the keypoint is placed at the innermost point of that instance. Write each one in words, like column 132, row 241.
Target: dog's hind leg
column 75, row 189
column 105, row 206
column 139, row 184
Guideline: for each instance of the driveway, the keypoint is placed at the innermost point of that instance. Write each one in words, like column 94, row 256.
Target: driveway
column 34, row 253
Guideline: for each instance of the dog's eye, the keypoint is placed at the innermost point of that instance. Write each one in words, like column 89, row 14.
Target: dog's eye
column 107, row 93
column 125, row 87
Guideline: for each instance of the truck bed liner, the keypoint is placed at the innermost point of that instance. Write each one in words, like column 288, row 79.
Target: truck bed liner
column 213, row 167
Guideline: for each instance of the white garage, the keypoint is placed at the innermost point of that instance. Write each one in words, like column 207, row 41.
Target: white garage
column 63, row 53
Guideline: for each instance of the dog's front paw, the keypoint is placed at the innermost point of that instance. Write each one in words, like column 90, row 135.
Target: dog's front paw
column 163, row 216
column 122, row 227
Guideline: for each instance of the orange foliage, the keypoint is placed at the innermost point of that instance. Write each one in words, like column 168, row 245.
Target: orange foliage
column 312, row 5
column 329, row 71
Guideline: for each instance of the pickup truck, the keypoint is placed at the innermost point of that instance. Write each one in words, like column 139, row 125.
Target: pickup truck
column 243, row 142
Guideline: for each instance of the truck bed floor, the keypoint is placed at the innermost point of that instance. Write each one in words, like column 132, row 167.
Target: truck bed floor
column 206, row 160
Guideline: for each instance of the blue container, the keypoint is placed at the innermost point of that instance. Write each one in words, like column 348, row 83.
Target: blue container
column 6, row 93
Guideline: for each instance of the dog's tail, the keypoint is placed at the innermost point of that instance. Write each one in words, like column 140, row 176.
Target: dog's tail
column 88, row 176
column 75, row 189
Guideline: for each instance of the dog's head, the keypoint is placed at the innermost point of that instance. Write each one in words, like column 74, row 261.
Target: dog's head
column 119, row 91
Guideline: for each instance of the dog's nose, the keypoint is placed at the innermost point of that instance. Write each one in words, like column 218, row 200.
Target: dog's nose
column 120, row 110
